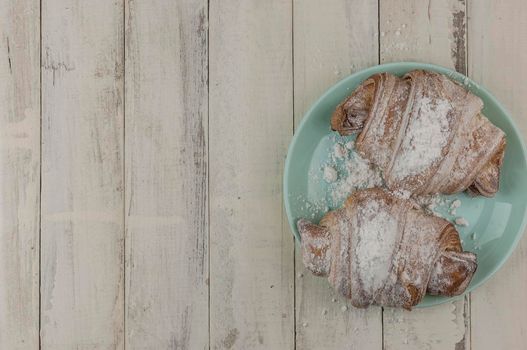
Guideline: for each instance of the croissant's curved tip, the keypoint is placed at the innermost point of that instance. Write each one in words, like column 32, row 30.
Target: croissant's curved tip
column 309, row 231
column 488, row 189
column 452, row 273
column 350, row 115
column 337, row 119
column 487, row 183
column 315, row 247
column 302, row 224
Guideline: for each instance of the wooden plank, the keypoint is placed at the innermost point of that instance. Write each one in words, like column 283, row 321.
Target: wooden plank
column 166, row 175
column 497, row 56
column 19, row 173
column 82, row 175
column 441, row 327
column 251, row 119
column 429, row 31
column 342, row 41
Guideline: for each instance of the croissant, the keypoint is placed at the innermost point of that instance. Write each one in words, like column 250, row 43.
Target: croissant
column 425, row 132
column 380, row 249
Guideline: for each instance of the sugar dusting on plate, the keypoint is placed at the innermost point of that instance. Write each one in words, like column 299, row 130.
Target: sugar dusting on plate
column 345, row 172
column 357, row 174
column 330, row 174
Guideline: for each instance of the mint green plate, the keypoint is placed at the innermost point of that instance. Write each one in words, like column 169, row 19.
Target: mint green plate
column 498, row 222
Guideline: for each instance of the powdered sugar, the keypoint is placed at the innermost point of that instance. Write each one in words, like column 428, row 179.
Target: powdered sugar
column 311, row 208
column 439, row 205
column 330, row 174
column 431, row 203
column 404, row 194
column 426, row 136
column 346, row 172
column 357, row 173
column 376, row 242
column 453, row 207
column 340, row 151
column 461, row 221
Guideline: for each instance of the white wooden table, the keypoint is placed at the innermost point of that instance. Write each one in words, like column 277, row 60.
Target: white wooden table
column 141, row 155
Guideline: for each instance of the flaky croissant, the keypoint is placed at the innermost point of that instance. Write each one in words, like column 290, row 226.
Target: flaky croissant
column 379, row 249
column 425, row 132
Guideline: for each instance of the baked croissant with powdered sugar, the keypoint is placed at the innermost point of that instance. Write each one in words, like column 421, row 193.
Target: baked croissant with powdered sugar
column 380, row 249
column 425, row 132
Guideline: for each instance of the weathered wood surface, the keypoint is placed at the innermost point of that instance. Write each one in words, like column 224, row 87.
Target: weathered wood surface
column 432, row 31
column 19, row 174
column 318, row 64
column 141, row 158
column 427, row 31
column 82, row 269
column 166, row 175
column 251, row 123
column 497, row 60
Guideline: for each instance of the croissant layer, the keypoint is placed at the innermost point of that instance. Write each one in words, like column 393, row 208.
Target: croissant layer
column 425, row 132
column 379, row 249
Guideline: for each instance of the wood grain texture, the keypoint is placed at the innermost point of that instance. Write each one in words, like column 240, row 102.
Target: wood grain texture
column 441, row 327
column 330, row 42
column 497, row 57
column 251, row 120
column 82, row 175
column 434, row 32
column 19, row 173
column 430, row 31
column 166, row 175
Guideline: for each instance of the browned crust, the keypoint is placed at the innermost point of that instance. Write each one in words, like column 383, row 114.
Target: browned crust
column 350, row 115
column 487, row 182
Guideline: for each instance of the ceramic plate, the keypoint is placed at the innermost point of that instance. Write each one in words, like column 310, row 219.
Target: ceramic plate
column 498, row 223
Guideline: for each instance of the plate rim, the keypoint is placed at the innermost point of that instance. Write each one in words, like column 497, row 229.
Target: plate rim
column 409, row 65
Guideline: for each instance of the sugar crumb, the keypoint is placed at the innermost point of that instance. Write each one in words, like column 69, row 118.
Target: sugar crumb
column 460, row 221
column 339, row 151
column 358, row 174
column 455, row 204
column 330, row 174
column 350, row 145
